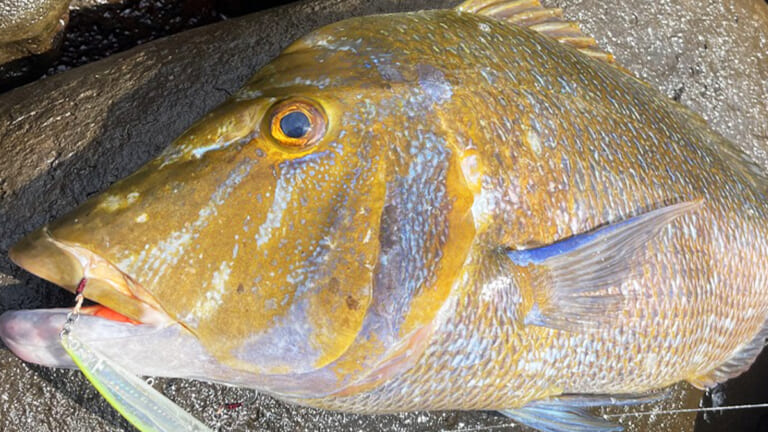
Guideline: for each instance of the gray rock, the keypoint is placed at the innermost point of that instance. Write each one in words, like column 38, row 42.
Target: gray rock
column 71, row 135
column 30, row 32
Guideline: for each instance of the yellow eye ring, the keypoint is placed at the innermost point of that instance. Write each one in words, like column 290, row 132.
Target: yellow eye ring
column 297, row 123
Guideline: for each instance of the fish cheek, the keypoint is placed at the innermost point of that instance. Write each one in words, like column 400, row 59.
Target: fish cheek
column 309, row 265
column 340, row 306
column 337, row 313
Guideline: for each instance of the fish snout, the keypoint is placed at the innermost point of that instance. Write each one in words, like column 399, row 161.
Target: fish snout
column 38, row 254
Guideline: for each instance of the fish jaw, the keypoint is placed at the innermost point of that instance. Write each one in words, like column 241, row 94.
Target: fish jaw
column 65, row 264
column 33, row 335
column 142, row 349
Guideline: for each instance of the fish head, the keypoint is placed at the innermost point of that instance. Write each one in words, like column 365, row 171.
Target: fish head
column 258, row 232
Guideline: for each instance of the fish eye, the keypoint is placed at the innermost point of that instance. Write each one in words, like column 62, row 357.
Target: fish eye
column 297, row 123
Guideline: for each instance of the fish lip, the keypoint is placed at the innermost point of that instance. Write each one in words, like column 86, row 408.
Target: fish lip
column 66, row 264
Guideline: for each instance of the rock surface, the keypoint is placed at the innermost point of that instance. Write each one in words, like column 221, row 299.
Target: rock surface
column 73, row 134
column 30, row 34
column 97, row 29
column 28, row 27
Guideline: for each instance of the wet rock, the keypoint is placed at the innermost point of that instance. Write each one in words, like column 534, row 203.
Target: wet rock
column 30, row 35
column 71, row 135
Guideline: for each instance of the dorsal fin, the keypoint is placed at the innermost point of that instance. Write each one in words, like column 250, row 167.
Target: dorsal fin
column 547, row 21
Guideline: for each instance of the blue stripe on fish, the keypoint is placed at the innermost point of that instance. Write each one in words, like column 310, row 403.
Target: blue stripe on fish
column 562, row 247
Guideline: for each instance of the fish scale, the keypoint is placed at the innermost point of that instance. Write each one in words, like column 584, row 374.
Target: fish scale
column 485, row 212
column 644, row 122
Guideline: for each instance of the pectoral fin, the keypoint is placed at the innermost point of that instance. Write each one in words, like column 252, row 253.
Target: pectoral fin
column 560, row 418
column 576, row 280
column 570, row 413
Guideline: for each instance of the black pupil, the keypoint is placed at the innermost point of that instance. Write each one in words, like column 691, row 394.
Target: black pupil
column 295, row 124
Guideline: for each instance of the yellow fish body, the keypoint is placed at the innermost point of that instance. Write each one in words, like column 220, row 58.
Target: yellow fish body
column 426, row 211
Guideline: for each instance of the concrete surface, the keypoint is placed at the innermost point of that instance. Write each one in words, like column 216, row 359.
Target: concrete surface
column 71, row 135
column 99, row 28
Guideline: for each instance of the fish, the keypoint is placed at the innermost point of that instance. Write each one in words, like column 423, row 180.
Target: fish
column 472, row 209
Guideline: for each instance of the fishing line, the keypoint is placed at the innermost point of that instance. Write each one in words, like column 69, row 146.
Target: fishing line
column 690, row 410
column 636, row 414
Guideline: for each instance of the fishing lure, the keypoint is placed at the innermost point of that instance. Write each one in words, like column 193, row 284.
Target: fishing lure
column 143, row 406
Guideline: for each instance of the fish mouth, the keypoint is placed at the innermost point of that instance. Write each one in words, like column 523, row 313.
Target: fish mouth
column 126, row 324
column 66, row 264
column 123, row 309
